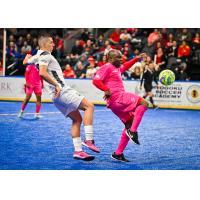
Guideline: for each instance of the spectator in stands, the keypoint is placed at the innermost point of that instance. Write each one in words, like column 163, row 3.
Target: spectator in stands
column 114, row 38
column 184, row 51
column 88, row 48
column 184, row 35
column 80, row 71
column 29, row 39
column 100, row 40
column 27, row 47
column 91, row 69
column 127, row 51
column 196, row 42
column 85, row 35
column 170, row 40
column 102, row 61
column 125, row 37
column 59, row 46
column 20, row 42
column 154, row 36
column 160, row 59
column 77, row 49
column 68, row 72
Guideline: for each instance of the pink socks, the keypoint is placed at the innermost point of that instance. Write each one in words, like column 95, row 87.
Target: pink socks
column 123, row 143
column 139, row 112
column 38, row 106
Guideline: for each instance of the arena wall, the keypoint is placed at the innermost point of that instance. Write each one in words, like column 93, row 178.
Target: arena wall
column 183, row 95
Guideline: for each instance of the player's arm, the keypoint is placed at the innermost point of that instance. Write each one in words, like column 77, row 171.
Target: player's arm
column 45, row 75
column 99, row 84
column 127, row 65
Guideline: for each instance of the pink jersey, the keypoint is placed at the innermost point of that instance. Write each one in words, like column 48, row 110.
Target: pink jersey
column 122, row 103
column 32, row 76
column 111, row 77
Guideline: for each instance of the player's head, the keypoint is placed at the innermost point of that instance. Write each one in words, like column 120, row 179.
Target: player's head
column 115, row 57
column 46, row 43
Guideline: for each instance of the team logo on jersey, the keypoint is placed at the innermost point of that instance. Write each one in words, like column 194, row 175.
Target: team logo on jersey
column 193, row 93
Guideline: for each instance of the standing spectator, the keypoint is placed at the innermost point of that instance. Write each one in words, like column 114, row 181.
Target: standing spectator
column 68, row 72
column 184, row 35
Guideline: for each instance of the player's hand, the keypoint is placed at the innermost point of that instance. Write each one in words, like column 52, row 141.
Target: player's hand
column 142, row 55
column 107, row 94
column 57, row 91
column 25, row 61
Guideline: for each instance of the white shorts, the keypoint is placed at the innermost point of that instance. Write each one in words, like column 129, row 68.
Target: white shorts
column 68, row 101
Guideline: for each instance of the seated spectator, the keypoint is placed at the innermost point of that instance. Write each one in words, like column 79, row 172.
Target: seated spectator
column 91, row 69
column 184, row 51
column 80, row 71
column 88, row 48
column 125, row 37
column 59, row 46
column 28, row 48
column 85, row 35
column 154, row 36
column 103, row 61
column 170, row 40
column 114, row 38
column 100, row 40
column 77, row 49
column 196, row 42
column 68, row 72
column 184, row 35
column 159, row 59
column 127, row 51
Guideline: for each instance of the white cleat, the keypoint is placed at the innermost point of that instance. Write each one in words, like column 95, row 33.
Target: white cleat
column 21, row 114
column 37, row 116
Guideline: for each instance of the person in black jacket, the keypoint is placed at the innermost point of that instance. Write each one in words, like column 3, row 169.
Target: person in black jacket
column 148, row 77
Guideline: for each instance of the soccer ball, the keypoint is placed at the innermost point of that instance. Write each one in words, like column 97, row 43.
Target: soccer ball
column 166, row 77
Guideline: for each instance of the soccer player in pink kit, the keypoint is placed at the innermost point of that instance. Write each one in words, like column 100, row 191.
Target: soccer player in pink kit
column 127, row 106
column 34, row 83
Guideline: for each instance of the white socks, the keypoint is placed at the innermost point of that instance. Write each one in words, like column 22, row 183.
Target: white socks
column 77, row 144
column 89, row 132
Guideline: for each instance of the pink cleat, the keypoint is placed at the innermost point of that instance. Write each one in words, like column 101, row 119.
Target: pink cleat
column 90, row 144
column 81, row 155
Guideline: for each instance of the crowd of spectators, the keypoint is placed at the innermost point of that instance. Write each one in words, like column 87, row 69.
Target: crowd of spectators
column 175, row 49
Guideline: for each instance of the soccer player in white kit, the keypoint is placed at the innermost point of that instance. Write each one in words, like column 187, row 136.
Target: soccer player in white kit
column 65, row 98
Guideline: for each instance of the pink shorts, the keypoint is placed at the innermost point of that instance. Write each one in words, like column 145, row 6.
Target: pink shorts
column 124, row 105
column 36, row 89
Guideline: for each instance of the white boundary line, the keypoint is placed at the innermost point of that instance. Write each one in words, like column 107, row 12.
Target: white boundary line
column 44, row 113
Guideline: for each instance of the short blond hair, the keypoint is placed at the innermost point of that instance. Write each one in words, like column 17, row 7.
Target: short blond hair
column 43, row 40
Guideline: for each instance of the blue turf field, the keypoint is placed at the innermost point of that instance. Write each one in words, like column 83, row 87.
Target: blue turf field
column 170, row 139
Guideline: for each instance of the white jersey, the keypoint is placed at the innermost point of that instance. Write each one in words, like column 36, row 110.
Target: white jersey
column 53, row 67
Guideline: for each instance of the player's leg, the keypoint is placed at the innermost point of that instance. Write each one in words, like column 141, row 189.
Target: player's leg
column 38, row 105
column 88, row 109
column 75, row 132
column 150, row 94
column 38, row 94
column 118, row 154
column 138, row 114
column 28, row 92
